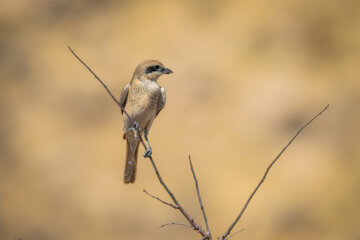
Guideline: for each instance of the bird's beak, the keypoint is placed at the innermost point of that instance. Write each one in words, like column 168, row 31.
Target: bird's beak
column 166, row 71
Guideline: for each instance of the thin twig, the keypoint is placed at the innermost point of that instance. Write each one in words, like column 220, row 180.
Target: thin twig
column 232, row 235
column 199, row 197
column 194, row 225
column 266, row 172
column 157, row 198
column 102, row 83
column 111, row 95
column 174, row 223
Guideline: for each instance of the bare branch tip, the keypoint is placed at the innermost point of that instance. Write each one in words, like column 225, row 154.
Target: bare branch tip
column 72, row 51
column 267, row 171
column 175, row 223
column 232, row 235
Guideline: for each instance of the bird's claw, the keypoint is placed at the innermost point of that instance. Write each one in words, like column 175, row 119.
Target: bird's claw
column 147, row 153
column 136, row 126
column 136, row 129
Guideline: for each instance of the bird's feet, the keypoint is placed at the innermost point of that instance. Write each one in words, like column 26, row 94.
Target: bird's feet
column 136, row 129
column 147, row 153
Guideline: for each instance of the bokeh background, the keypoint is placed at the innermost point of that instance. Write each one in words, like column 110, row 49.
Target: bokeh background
column 247, row 75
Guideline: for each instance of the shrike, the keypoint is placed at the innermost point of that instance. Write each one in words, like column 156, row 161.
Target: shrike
column 143, row 98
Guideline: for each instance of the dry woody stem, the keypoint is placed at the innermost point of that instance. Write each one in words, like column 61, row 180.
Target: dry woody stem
column 199, row 197
column 266, row 173
column 162, row 201
column 175, row 223
column 206, row 235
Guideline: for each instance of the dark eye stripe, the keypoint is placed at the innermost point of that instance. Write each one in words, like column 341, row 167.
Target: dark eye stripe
column 153, row 69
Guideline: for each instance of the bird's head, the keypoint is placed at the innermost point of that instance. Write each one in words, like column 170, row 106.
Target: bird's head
column 150, row 69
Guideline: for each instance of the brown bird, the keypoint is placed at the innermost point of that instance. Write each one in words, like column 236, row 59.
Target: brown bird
column 143, row 98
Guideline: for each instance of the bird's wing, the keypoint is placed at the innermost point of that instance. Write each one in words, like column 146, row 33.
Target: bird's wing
column 123, row 96
column 161, row 102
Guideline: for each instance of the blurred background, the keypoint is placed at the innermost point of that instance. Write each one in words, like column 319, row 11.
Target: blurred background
column 247, row 76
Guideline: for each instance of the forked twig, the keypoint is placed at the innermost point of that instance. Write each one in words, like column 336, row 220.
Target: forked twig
column 266, row 172
column 232, row 235
column 157, row 198
column 195, row 226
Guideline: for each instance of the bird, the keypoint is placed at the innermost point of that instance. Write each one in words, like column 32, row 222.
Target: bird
column 142, row 99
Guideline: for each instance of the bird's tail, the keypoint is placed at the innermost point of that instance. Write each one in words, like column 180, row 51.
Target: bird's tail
column 131, row 161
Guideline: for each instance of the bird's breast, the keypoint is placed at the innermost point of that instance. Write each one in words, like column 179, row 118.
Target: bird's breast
column 142, row 99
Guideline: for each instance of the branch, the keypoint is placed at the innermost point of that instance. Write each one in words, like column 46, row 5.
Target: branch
column 102, row 83
column 199, row 197
column 112, row 96
column 266, row 172
column 157, row 198
column 174, row 223
column 194, row 225
column 232, row 235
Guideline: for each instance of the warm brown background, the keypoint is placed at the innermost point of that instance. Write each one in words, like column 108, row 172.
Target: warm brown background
column 248, row 74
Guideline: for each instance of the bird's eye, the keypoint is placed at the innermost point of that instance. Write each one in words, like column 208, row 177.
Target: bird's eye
column 150, row 70
column 153, row 69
